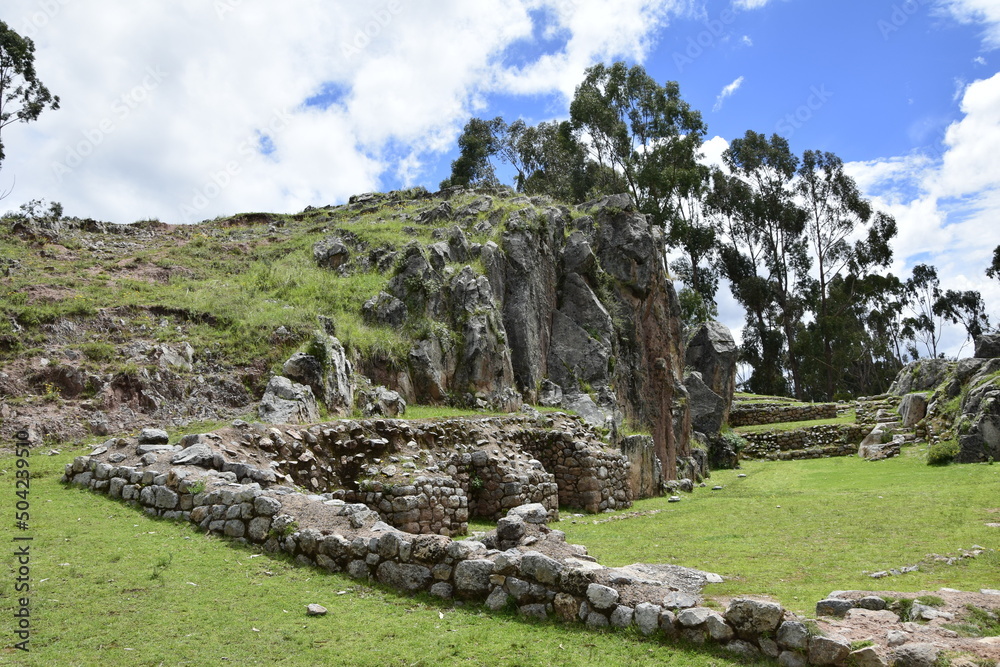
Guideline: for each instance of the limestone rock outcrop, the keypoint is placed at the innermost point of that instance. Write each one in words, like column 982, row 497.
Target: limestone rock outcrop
column 963, row 403
column 570, row 306
column 287, row 402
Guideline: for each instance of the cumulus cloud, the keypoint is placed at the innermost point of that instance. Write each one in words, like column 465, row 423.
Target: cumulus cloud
column 947, row 208
column 984, row 12
column 728, row 91
column 197, row 109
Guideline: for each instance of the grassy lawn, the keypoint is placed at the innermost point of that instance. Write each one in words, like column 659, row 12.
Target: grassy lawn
column 797, row 530
column 111, row 586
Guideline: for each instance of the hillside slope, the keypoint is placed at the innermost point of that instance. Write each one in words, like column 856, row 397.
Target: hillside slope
column 468, row 298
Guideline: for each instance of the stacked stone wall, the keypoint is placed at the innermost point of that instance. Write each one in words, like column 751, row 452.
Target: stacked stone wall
column 589, row 478
column 759, row 415
column 811, row 442
column 427, row 505
column 538, row 585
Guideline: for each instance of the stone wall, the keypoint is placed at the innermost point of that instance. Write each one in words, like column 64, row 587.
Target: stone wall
column 588, row 478
column 573, row 588
column 420, row 476
column 811, row 442
column 428, row 505
column 758, row 415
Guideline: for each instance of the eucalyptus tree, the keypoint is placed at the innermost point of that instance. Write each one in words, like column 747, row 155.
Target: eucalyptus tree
column 923, row 291
column 478, row 145
column 966, row 308
column 644, row 138
column 22, row 96
column 847, row 239
column 764, row 253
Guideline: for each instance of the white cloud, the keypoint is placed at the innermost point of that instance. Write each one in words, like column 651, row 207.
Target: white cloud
column 600, row 30
column 746, row 41
column 727, row 92
column 712, row 151
column 750, row 4
column 399, row 77
column 986, row 12
column 947, row 209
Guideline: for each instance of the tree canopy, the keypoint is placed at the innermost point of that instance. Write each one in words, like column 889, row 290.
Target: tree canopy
column 803, row 251
column 22, row 96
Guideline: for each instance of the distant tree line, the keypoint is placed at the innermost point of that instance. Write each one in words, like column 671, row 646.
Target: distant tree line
column 804, row 252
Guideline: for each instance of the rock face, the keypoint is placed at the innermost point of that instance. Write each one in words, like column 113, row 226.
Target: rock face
column 975, row 423
column 325, row 369
column 988, row 346
column 569, row 305
column 286, row 402
column 712, row 352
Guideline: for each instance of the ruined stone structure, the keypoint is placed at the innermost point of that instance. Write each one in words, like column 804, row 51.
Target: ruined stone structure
column 756, row 414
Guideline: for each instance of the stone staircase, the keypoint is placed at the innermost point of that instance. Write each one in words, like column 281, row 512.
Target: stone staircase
column 893, row 424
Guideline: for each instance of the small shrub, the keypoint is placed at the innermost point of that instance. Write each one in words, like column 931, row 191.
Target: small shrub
column 942, row 453
column 476, row 485
column 861, row 643
column 902, row 607
column 51, row 394
column 98, row 351
column 734, row 440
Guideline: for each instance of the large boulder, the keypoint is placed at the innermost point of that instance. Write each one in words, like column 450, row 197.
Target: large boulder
column 380, row 401
column 708, row 409
column 712, row 351
column 331, row 253
column 921, row 375
column 287, row 402
column 912, row 409
column 325, row 369
column 988, row 346
column 645, row 472
column 417, row 284
column 385, row 309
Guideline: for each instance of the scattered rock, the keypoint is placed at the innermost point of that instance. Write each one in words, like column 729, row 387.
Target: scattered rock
column 315, row 610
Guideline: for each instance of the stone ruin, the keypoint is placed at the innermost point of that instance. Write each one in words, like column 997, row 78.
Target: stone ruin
column 423, row 477
column 523, row 564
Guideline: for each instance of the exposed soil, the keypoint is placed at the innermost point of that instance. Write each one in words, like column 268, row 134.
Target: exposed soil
column 861, row 624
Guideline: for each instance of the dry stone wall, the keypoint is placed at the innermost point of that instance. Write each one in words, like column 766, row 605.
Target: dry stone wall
column 811, row 442
column 541, row 575
column 419, row 476
column 759, row 415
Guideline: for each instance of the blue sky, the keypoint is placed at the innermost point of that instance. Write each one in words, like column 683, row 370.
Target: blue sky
column 190, row 110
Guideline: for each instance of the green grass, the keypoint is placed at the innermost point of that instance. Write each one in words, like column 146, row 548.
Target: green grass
column 846, row 418
column 446, row 412
column 747, row 397
column 112, row 586
column 797, row 530
column 979, row 623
